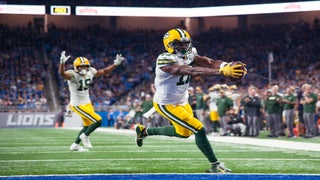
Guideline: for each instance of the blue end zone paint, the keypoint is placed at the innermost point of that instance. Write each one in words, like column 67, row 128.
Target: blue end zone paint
column 168, row 176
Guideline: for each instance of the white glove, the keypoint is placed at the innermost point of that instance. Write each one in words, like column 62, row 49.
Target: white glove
column 118, row 60
column 63, row 57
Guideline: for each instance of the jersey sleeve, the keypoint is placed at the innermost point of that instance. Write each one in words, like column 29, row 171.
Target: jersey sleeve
column 72, row 74
column 165, row 59
column 93, row 71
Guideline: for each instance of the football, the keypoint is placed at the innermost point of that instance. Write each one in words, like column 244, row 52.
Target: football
column 242, row 67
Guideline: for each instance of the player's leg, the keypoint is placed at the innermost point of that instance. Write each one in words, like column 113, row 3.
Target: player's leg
column 91, row 120
column 76, row 145
column 185, row 125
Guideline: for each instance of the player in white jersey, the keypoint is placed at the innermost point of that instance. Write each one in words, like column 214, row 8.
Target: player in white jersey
column 235, row 96
column 214, row 94
column 79, row 80
column 174, row 69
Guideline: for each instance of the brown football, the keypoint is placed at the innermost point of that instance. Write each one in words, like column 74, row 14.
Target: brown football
column 242, row 67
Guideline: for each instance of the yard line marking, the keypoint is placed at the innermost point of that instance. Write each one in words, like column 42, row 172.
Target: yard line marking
column 127, row 151
column 243, row 140
column 155, row 159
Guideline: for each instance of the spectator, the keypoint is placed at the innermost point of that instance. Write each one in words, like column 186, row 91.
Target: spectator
column 235, row 125
column 289, row 103
column 224, row 103
column 309, row 101
column 252, row 106
column 273, row 109
column 201, row 104
column 146, row 105
column 192, row 100
column 111, row 116
column 214, row 94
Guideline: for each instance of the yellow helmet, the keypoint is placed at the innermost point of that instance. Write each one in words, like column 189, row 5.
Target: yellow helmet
column 177, row 41
column 215, row 87
column 233, row 87
column 81, row 61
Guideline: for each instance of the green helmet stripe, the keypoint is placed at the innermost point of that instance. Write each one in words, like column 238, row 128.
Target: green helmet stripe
column 181, row 32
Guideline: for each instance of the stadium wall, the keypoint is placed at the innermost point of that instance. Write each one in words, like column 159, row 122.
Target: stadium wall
column 28, row 119
column 45, row 119
column 227, row 22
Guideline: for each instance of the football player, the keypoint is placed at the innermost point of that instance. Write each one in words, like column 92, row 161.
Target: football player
column 174, row 69
column 79, row 80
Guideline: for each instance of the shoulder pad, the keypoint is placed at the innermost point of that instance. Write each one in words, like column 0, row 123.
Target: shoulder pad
column 166, row 59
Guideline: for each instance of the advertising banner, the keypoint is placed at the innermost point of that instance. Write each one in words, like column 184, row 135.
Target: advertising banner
column 28, row 119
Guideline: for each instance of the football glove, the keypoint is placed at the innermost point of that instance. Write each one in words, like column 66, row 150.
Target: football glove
column 235, row 71
column 118, row 60
column 63, row 57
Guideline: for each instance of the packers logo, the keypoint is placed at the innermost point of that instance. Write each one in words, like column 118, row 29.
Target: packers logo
column 166, row 35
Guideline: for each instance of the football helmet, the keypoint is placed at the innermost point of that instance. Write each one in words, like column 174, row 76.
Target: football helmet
column 177, row 41
column 215, row 87
column 233, row 87
column 81, row 65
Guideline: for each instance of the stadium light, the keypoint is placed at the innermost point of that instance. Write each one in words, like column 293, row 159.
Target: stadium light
column 23, row 9
column 199, row 12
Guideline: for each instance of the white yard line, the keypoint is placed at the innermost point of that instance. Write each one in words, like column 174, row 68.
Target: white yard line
column 242, row 140
column 269, row 143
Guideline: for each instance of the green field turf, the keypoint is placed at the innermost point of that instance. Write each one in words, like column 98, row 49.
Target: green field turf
column 46, row 151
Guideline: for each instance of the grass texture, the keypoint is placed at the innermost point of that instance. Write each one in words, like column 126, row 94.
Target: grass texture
column 46, row 152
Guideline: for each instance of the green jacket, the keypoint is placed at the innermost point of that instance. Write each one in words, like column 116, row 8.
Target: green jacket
column 272, row 105
column 224, row 103
column 201, row 104
column 310, row 107
column 291, row 98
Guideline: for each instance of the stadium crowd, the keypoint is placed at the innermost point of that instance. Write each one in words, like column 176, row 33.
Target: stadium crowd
column 295, row 47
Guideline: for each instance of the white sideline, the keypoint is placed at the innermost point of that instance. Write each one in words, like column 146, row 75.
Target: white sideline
column 241, row 140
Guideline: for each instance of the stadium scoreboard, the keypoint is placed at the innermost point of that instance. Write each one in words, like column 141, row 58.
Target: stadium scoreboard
column 60, row 10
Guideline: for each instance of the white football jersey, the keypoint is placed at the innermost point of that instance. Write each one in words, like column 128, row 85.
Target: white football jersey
column 234, row 96
column 79, row 87
column 171, row 89
column 214, row 95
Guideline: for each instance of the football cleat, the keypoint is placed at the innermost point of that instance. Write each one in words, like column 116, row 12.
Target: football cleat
column 219, row 168
column 68, row 114
column 85, row 140
column 139, row 131
column 74, row 147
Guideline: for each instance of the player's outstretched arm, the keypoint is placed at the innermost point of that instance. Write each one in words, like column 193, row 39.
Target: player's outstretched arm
column 63, row 60
column 232, row 69
column 107, row 70
column 203, row 61
column 189, row 70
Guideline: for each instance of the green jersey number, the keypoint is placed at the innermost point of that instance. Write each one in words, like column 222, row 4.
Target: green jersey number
column 84, row 84
column 184, row 79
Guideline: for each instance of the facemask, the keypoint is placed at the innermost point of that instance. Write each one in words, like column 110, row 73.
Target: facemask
column 83, row 72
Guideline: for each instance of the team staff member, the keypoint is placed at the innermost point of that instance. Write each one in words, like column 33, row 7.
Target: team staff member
column 224, row 104
column 309, row 100
column 252, row 106
column 174, row 69
column 273, row 107
column 79, row 80
column 289, row 103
